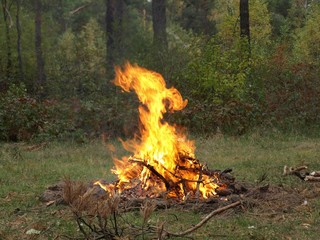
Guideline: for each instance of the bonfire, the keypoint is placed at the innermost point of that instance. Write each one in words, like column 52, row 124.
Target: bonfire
column 162, row 171
column 163, row 162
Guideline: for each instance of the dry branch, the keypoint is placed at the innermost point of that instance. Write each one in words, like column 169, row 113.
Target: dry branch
column 302, row 174
column 312, row 178
column 292, row 170
column 315, row 173
column 206, row 219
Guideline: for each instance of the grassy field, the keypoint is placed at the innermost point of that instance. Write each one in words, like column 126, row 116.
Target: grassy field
column 25, row 174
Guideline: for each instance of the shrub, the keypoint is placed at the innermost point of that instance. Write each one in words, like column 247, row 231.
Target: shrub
column 20, row 115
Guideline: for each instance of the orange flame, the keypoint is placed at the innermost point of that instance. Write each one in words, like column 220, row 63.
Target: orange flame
column 159, row 147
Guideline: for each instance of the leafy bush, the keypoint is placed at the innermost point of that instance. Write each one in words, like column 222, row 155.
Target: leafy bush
column 20, row 115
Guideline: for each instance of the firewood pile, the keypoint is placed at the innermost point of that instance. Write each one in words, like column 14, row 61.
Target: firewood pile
column 223, row 179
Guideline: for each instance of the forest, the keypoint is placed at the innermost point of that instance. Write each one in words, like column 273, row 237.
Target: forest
column 240, row 67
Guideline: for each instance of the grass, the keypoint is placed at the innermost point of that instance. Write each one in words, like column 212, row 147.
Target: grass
column 24, row 175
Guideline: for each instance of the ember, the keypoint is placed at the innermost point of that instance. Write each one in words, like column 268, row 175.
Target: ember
column 163, row 161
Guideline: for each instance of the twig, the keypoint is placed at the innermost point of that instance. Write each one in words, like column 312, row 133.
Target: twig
column 81, row 228
column 206, row 219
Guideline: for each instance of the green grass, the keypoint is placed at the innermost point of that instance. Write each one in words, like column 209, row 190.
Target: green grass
column 24, row 175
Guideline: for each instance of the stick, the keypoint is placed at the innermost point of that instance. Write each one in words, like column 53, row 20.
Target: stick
column 206, row 219
column 291, row 170
column 312, row 178
column 315, row 173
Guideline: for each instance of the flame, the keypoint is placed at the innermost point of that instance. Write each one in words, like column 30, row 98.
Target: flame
column 160, row 149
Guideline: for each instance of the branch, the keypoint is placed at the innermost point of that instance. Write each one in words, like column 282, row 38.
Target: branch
column 292, row 170
column 151, row 168
column 206, row 219
column 312, row 178
column 79, row 9
column 298, row 171
column 7, row 13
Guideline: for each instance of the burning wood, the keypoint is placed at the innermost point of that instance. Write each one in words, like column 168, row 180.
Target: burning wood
column 162, row 160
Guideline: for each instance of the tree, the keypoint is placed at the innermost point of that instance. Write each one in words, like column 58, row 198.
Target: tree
column 196, row 15
column 114, row 21
column 244, row 19
column 18, row 3
column 6, row 5
column 159, row 24
column 227, row 18
column 41, row 76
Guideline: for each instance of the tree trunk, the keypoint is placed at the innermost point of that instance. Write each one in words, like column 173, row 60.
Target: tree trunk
column 159, row 25
column 244, row 19
column 113, row 18
column 21, row 74
column 41, row 77
column 8, row 22
column 61, row 17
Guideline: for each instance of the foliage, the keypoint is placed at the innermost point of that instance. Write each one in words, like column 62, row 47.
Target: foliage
column 306, row 47
column 77, row 68
column 20, row 115
column 291, row 91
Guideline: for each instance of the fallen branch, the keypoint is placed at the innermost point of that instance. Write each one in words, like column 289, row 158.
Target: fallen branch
column 291, row 170
column 315, row 174
column 312, row 178
column 302, row 174
column 297, row 171
column 206, row 219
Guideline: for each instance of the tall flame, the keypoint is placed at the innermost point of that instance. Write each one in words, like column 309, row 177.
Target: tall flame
column 159, row 146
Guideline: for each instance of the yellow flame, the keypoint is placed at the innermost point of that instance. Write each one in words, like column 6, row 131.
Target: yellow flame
column 159, row 144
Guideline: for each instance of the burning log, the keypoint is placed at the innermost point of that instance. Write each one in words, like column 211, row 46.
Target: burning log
column 153, row 170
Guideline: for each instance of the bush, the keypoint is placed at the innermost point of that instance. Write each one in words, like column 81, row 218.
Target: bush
column 20, row 115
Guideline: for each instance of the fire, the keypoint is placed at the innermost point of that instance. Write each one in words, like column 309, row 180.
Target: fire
column 163, row 159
